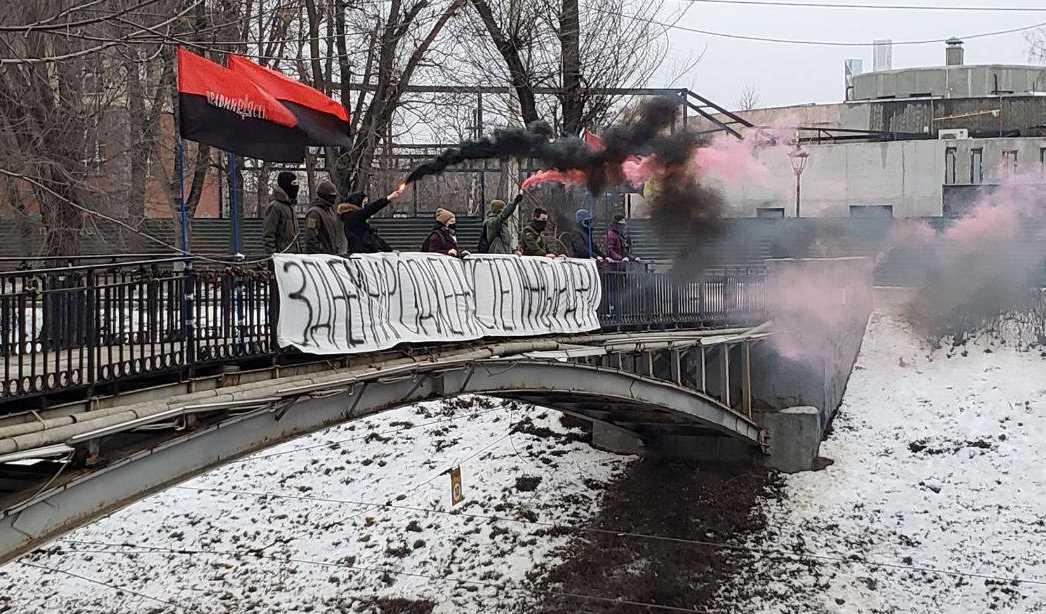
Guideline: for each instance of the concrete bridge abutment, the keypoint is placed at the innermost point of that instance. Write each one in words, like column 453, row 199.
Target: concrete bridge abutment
column 820, row 309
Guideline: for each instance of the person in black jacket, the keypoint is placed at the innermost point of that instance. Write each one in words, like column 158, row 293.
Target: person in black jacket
column 354, row 213
column 579, row 242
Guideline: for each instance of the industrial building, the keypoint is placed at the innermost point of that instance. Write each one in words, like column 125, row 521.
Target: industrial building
column 914, row 142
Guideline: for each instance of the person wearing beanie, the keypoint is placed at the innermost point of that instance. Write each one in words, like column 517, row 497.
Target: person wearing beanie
column 618, row 242
column 499, row 236
column 360, row 237
column 280, row 228
column 579, row 242
column 443, row 238
column 323, row 233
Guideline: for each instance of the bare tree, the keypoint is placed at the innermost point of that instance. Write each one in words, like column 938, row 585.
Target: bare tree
column 1036, row 46
column 576, row 48
column 749, row 98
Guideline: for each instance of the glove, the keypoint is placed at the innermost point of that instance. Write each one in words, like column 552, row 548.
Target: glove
column 518, row 199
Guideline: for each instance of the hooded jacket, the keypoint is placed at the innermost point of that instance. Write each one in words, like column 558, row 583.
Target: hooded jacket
column 323, row 232
column 280, row 228
column 360, row 237
column 501, row 235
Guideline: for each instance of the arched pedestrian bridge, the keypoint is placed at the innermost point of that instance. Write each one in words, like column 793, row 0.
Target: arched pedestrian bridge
column 674, row 362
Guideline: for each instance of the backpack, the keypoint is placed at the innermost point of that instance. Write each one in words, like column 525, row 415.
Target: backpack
column 483, row 247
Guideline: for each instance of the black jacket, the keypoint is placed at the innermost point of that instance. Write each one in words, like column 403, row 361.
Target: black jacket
column 577, row 242
column 323, row 234
column 361, row 238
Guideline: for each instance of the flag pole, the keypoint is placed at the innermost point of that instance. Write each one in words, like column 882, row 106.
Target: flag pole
column 183, row 211
column 234, row 206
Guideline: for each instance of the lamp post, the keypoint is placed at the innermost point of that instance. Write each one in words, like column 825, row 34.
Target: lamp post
column 798, row 156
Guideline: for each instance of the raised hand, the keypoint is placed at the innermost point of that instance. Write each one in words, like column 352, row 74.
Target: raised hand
column 398, row 191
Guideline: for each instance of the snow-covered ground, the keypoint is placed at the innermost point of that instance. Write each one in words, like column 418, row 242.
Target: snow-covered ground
column 284, row 533
column 939, row 463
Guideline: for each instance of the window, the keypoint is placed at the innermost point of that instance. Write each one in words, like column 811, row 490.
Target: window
column 950, row 165
column 1009, row 163
column 871, row 210
column 770, row 212
column 977, row 165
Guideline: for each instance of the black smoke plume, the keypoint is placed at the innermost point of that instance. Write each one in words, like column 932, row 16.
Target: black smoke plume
column 637, row 135
column 679, row 204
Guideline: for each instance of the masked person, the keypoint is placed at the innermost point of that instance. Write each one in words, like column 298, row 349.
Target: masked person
column 360, row 237
column 444, row 239
column 579, row 242
column 532, row 242
column 618, row 243
column 280, row 228
column 323, row 233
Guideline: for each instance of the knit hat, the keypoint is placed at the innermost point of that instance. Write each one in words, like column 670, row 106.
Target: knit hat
column 497, row 205
column 445, row 217
column 288, row 182
column 348, row 207
column 327, row 191
column 583, row 215
column 356, row 198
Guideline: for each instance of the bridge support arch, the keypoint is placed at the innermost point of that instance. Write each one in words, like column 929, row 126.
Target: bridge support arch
column 579, row 389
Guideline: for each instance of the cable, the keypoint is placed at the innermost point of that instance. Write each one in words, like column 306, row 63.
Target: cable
column 767, row 552
column 102, row 583
column 387, row 570
column 41, row 26
column 766, row 39
column 83, row 52
column 890, row 7
column 123, row 224
column 359, row 437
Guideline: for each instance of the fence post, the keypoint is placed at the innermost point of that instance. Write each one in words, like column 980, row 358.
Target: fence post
column 91, row 376
column 189, row 315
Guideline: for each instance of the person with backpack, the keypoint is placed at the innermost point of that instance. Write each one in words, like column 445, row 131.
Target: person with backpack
column 360, row 237
column 443, row 239
column 498, row 235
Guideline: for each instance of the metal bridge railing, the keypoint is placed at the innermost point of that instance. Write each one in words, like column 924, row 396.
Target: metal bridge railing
column 96, row 326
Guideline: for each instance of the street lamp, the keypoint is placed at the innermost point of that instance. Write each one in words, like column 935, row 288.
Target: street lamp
column 798, row 156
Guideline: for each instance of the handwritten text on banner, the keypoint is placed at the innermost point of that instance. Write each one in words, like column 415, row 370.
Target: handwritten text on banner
column 333, row 305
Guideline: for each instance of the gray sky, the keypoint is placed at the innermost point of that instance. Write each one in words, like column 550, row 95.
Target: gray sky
column 793, row 74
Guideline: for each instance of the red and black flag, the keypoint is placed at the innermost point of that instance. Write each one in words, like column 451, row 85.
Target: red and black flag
column 323, row 120
column 223, row 108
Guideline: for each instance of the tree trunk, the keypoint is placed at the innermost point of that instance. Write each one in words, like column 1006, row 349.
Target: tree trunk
column 570, row 52
column 138, row 150
column 508, row 49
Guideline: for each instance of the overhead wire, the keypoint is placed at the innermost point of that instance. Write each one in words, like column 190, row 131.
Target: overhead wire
column 48, row 26
column 790, row 41
column 891, row 7
column 97, row 48
column 141, row 549
column 768, row 552
column 121, row 223
column 101, row 583
column 360, row 437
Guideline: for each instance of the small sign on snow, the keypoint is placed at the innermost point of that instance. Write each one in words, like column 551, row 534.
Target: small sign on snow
column 455, row 486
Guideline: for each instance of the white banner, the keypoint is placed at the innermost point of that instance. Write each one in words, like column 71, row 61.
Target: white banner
column 334, row 305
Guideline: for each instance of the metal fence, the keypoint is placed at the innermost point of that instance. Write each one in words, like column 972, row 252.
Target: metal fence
column 84, row 327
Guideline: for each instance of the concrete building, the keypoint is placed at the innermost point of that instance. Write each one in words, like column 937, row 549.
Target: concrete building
column 922, row 142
